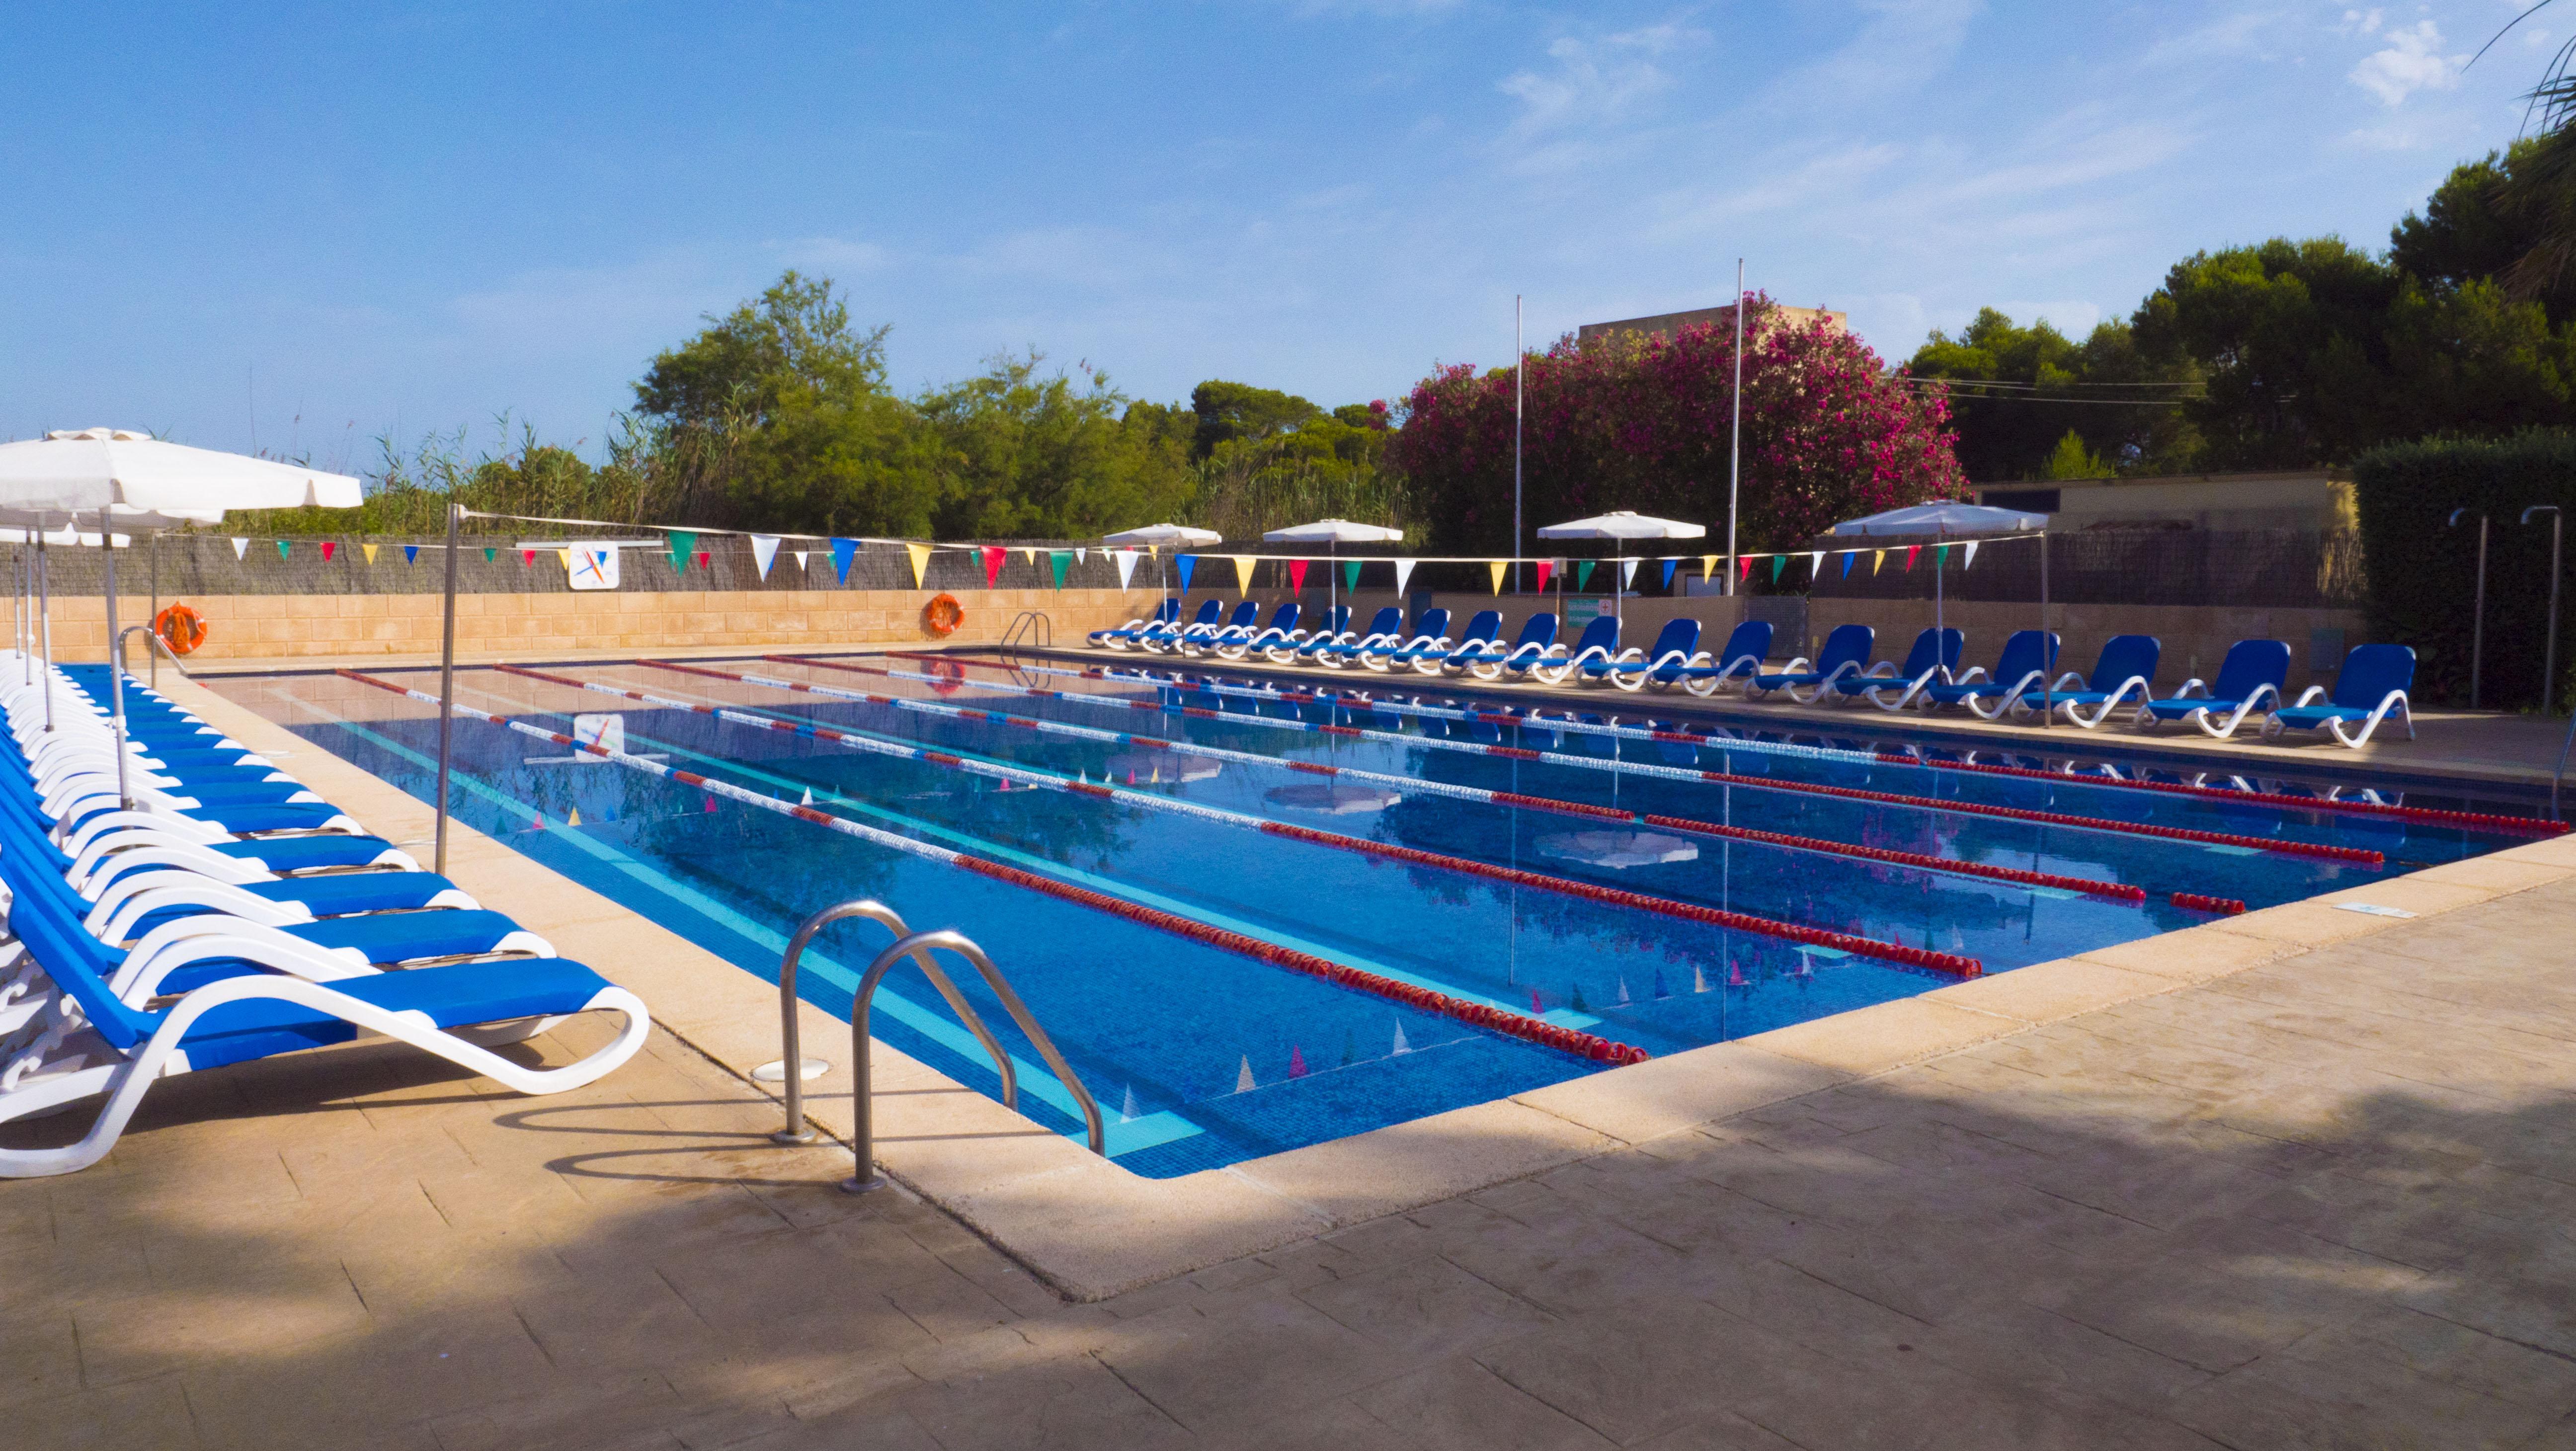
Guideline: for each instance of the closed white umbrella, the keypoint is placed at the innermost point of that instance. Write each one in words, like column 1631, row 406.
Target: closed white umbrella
column 1623, row 525
column 1159, row 534
column 1333, row 533
column 1941, row 520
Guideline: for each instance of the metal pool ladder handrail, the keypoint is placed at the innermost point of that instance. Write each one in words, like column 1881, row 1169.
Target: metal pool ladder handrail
column 789, row 1036
column 1034, row 626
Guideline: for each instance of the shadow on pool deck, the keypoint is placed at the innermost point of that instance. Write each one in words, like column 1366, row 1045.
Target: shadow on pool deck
column 2322, row 1201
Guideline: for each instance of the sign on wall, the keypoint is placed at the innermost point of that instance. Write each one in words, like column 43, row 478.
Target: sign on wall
column 594, row 567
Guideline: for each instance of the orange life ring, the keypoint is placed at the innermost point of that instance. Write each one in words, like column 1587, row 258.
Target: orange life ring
column 942, row 615
column 180, row 627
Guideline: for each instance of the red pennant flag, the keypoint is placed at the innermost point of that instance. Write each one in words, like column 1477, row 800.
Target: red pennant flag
column 327, row 547
column 527, row 557
column 1912, row 550
column 1546, row 567
column 1743, row 569
column 703, row 557
column 1296, row 576
column 993, row 556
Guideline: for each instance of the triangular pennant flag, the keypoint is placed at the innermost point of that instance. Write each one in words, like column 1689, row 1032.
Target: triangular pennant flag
column 764, row 552
column 1848, row 556
column 1815, row 564
column 527, row 557
column 1912, row 550
column 995, row 556
column 919, row 554
column 491, row 552
column 328, row 545
column 411, row 554
column 368, row 550
column 1707, row 567
column 1778, row 563
column 1968, row 555
column 1546, row 567
column 1351, row 575
column 846, row 550
column 1498, row 567
column 1583, row 572
column 704, row 557
column 1403, row 573
column 565, row 556
column 683, row 543
column 1940, row 555
column 1028, row 556
column 1669, row 566
column 238, row 546
column 1081, row 556
column 1877, row 557
column 1242, row 571
column 1126, row 559
column 282, row 546
column 1184, row 565
column 1743, row 568
column 1297, row 576
column 1628, row 572
column 1062, row 559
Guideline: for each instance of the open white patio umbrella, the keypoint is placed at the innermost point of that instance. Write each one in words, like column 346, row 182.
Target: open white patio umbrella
column 1945, row 520
column 1333, row 533
column 125, row 478
column 1622, row 526
column 1160, row 534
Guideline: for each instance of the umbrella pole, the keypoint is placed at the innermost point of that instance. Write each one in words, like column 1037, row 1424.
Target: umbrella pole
column 446, row 687
column 153, row 659
column 115, row 674
column 2048, row 677
column 45, row 614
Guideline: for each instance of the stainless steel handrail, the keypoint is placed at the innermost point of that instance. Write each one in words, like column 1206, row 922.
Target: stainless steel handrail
column 796, row 1131
column 918, row 946
column 155, row 636
column 1041, row 630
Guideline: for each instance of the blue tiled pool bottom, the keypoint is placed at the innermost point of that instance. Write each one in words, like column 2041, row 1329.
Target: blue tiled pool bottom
column 1203, row 1057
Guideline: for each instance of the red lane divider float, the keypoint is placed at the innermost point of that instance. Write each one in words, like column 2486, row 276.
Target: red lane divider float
column 2321, row 852
column 1895, row 952
column 2483, row 821
column 2431, row 815
column 2116, row 891
column 1588, row 1046
column 2217, row 906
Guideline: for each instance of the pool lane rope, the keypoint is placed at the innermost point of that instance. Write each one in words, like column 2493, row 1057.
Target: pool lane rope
column 2114, row 891
column 1896, row 952
column 2430, row 815
column 1589, row 1046
column 2318, row 851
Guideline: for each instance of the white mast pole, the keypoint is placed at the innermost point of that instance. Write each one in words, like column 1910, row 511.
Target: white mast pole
column 1517, row 354
column 1735, row 431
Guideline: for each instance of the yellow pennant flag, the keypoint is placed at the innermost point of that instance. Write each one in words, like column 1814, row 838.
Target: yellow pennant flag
column 1029, row 556
column 920, row 559
column 368, row 550
column 1499, row 567
column 1242, row 570
column 565, row 555
column 1877, row 558
column 1707, row 567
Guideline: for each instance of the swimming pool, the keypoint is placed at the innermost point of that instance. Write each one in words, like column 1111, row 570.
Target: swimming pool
column 1163, row 868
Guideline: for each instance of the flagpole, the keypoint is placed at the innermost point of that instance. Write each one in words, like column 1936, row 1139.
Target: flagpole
column 1735, row 431
column 446, row 685
column 45, row 616
column 1518, row 352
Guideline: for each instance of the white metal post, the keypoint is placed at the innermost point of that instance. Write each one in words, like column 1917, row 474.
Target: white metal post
column 446, row 685
column 1519, row 352
column 1735, row 431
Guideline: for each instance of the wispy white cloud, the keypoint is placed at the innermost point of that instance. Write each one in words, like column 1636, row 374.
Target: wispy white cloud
column 1595, row 82
column 1902, row 46
column 2243, row 33
column 2411, row 62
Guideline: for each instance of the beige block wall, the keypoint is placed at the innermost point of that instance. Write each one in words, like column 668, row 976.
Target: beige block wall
column 268, row 627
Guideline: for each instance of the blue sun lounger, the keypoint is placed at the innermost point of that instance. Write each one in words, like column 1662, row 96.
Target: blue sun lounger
column 1747, row 646
column 2251, row 675
column 2020, row 674
column 1164, row 636
column 2371, row 684
column 1428, row 645
column 1934, row 659
column 1385, row 630
column 1238, row 626
column 1598, row 646
column 1676, row 648
column 1483, row 629
column 1168, row 612
column 1280, row 630
column 1491, row 662
column 2125, row 672
column 1845, row 650
column 1301, row 645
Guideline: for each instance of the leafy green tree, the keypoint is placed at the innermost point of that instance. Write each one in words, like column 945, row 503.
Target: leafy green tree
column 1022, row 454
column 2037, row 383
column 1228, row 412
column 2072, row 460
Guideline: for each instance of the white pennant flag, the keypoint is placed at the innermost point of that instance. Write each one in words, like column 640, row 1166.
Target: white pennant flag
column 1627, row 572
column 238, row 546
column 1080, row 555
column 1815, row 564
column 1970, row 557
column 800, row 557
column 1126, row 568
column 764, row 552
column 1403, row 572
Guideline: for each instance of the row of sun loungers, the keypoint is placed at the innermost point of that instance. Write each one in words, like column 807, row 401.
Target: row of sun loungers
column 2021, row 685
column 220, row 912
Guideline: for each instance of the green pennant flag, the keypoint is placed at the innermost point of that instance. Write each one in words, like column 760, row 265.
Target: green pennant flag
column 1062, row 559
column 1778, row 561
column 683, row 542
column 1583, row 573
column 282, row 547
column 1940, row 555
column 1351, row 575
column 491, row 552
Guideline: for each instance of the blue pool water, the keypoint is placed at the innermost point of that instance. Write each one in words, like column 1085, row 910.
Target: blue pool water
column 1204, row 1056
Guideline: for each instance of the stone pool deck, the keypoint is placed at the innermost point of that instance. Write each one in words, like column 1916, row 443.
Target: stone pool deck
column 2300, row 1177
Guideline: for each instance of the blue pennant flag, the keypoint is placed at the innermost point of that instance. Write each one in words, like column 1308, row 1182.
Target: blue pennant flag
column 1183, row 564
column 843, row 551
column 1669, row 566
column 1847, row 562
column 411, row 554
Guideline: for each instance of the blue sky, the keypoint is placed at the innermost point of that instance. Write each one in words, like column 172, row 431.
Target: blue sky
column 303, row 227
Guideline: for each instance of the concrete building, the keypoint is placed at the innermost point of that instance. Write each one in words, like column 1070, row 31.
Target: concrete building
column 1671, row 322
column 2319, row 499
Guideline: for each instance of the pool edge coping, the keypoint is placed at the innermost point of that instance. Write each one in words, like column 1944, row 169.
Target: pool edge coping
column 1091, row 1229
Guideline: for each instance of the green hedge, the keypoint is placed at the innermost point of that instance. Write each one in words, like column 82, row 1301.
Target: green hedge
column 2423, row 574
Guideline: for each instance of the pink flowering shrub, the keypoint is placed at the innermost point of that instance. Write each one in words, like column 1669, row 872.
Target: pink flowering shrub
column 1636, row 424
